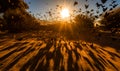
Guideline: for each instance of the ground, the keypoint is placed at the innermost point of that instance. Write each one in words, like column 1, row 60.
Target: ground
column 49, row 51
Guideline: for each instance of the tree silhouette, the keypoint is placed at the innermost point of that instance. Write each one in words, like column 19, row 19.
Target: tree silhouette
column 112, row 20
column 16, row 16
column 12, row 4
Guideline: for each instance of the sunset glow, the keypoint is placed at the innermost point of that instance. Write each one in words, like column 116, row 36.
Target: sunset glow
column 65, row 13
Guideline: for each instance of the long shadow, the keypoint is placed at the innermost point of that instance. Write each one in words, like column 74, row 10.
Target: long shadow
column 72, row 66
column 102, row 39
column 101, row 61
column 41, row 61
column 17, row 58
column 18, row 48
column 13, row 46
column 49, row 55
column 35, row 59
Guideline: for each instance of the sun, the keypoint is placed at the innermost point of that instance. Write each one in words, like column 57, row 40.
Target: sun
column 65, row 13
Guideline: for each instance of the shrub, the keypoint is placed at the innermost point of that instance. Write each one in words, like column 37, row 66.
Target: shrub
column 18, row 20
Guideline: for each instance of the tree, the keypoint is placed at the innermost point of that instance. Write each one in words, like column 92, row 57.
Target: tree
column 12, row 4
column 16, row 16
column 112, row 20
column 83, row 23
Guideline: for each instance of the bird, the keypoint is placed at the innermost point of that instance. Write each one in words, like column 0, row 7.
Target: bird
column 57, row 5
column 91, row 14
column 87, row 12
column 92, row 10
column 86, row 6
column 29, row 2
column 111, row 9
column 113, row 2
column 110, row 4
column 102, row 6
column 96, row 16
column 97, row 12
column 103, row 1
column 80, row 9
column 98, row 5
column 75, row 3
column 104, row 9
column 115, row 5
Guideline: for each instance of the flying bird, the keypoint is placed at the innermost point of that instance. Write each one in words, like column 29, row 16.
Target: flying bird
column 50, row 14
column 97, row 12
column 92, row 10
column 104, row 9
column 98, row 5
column 57, row 5
column 113, row 2
column 102, row 6
column 87, row 12
column 29, row 3
column 75, row 3
column 110, row 4
column 103, row 1
column 115, row 5
column 91, row 14
column 86, row 6
column 96, row 16
column 111, row 9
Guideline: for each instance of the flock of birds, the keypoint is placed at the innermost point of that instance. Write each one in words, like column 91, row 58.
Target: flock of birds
column 51, row 13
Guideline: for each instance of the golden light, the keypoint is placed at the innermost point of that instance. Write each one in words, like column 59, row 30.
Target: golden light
column 65, row 13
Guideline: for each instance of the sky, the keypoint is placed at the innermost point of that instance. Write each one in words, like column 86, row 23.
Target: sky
column 40, row 7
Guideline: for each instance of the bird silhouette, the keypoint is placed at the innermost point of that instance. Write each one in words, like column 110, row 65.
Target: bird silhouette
column 29, row 2
column 110, row 5
column 96, row 16
column 50, row 14
column 111, row 9
column 87, row 12
column 97, row 12
column 102, row 6
column 104, row 9
column 98, row 5
column 92, row 10
column 75, row 3
column 113, row 2
column 80, row 9
column 103, row 1
column 115, row 5
column 57, row 5
column 91, row 14
column 86, row 6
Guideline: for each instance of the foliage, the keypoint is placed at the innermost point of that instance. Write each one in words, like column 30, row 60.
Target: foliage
column 12, row 4
column 16, row 17
column 18, row 20
column 83, row 22
column 112, row 21
column 2, row 24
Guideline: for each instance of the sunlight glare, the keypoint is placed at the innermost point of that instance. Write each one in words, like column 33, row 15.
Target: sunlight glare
column 65, row 13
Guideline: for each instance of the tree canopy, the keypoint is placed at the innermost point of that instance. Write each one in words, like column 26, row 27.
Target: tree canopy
column 12, row 4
